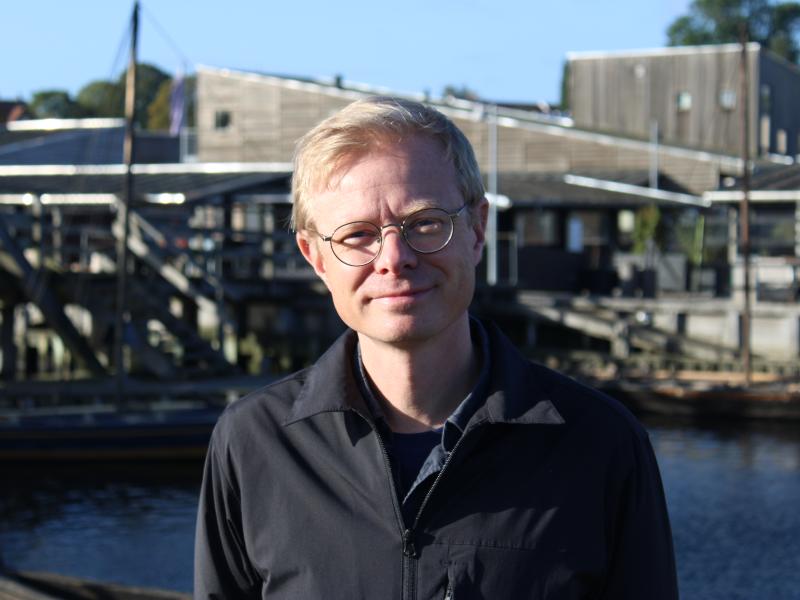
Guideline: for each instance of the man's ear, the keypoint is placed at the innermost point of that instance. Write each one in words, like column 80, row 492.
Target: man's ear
column 311, row 251
column 480, row 217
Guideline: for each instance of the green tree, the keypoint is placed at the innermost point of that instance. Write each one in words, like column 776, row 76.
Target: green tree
column 646, row 228
column 460, row 91
column 58, row 104
column 774, row 25
column 158, row 110
column 107, row 98
column 102, row 99
column 148, row 81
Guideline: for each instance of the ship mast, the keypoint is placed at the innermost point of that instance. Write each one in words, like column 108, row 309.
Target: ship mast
column 123, row 206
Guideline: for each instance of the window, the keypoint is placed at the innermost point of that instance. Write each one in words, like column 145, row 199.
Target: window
column 539, row 228
column 772, row 231
column 684, row 101
column 765, row 133
column 781, row 141
column 727, row 99
column 222, row 119
column 765, row 99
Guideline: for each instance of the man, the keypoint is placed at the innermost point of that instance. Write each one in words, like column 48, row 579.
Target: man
column 421, row 456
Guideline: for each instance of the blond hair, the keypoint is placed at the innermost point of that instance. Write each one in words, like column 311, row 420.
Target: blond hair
column 365, row 125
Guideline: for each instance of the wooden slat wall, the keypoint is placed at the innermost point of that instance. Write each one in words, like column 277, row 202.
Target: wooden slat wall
column 622, row 94
column 268, row 116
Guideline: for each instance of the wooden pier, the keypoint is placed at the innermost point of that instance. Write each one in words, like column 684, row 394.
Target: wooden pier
column 215, row 287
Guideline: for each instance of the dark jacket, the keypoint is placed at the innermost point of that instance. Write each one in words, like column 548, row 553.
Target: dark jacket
column 553, row 492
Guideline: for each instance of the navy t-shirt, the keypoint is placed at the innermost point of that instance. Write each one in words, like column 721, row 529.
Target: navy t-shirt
column 409, row 451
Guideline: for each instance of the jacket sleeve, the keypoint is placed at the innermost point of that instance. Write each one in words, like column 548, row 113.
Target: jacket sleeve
column 222, row 569
column 642, row 556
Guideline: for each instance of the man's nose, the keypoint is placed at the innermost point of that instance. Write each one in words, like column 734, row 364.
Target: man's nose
column 396, row 254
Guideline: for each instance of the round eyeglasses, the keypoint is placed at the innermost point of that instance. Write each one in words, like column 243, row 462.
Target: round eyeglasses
column 425, row 231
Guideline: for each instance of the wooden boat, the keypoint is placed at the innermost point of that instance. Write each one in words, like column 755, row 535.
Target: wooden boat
column 69, row 421
column 156, row 431
column 707, row 395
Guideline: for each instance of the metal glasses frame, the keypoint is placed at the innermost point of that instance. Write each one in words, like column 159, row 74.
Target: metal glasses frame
column 401, row 225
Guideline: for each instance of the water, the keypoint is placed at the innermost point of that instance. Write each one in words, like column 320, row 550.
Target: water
column 733, row 494
column 734, row 498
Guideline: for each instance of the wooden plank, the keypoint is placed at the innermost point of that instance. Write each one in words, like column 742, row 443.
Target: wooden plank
column 51, row 586
column 12, row 590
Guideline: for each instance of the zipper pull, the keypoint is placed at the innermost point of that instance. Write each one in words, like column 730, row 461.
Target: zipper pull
column 408, row 544
column 448, row 595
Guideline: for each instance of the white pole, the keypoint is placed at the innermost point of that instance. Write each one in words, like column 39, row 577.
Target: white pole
column 654, row 154
column 491, row 226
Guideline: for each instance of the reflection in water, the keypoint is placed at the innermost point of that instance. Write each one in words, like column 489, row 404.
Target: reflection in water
column 733, row 493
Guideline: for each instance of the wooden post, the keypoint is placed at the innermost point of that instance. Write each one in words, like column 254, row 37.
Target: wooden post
column 7, row 341
column 123, row 207
column 744, row 209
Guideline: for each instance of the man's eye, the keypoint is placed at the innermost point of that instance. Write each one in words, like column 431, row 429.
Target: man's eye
column 356, row 237
column 425, row 225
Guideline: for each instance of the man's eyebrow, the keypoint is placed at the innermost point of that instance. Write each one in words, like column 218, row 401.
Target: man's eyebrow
column 416, row 205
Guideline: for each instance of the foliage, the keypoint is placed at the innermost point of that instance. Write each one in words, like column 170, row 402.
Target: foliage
column 687, row 234
column 462, row 92
column 102, row 99
column 645, row 228
column 774, row 25
column 158, row 111
column 48, row 104
column 148, row 82
column 565, row 83
column 190, row 89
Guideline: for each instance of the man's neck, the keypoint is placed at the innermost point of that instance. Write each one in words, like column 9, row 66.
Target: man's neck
column 419, row 385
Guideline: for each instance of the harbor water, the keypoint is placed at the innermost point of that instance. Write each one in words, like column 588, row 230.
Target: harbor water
column 733, row 492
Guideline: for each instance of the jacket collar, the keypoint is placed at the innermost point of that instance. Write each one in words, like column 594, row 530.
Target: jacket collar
column 331, row 385
column 518, row 392
column 515, row 395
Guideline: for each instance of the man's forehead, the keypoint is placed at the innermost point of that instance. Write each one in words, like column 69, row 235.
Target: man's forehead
column 414, row 162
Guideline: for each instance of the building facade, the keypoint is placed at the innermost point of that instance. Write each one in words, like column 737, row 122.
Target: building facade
column 692, row 95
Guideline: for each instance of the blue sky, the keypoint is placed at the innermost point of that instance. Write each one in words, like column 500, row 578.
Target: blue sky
column 503, row 49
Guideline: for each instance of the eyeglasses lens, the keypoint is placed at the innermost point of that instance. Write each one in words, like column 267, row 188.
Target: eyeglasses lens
column 426, row 231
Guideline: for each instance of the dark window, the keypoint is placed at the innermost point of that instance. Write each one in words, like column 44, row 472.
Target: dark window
column 772, row 231
column 765, row 98
column 538, row 228
column 222, row 119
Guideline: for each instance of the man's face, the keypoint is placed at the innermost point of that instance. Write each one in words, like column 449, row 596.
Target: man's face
column 402, row 297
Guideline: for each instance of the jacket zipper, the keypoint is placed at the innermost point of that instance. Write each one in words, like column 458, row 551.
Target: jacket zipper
column 436, row 481
column 409, row 548
column 408, row 535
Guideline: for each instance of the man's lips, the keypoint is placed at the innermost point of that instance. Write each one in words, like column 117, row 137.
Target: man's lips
column 398, row 295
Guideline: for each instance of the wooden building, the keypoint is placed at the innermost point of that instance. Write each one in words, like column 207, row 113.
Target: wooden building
column 251, row 117
column 692, row 94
